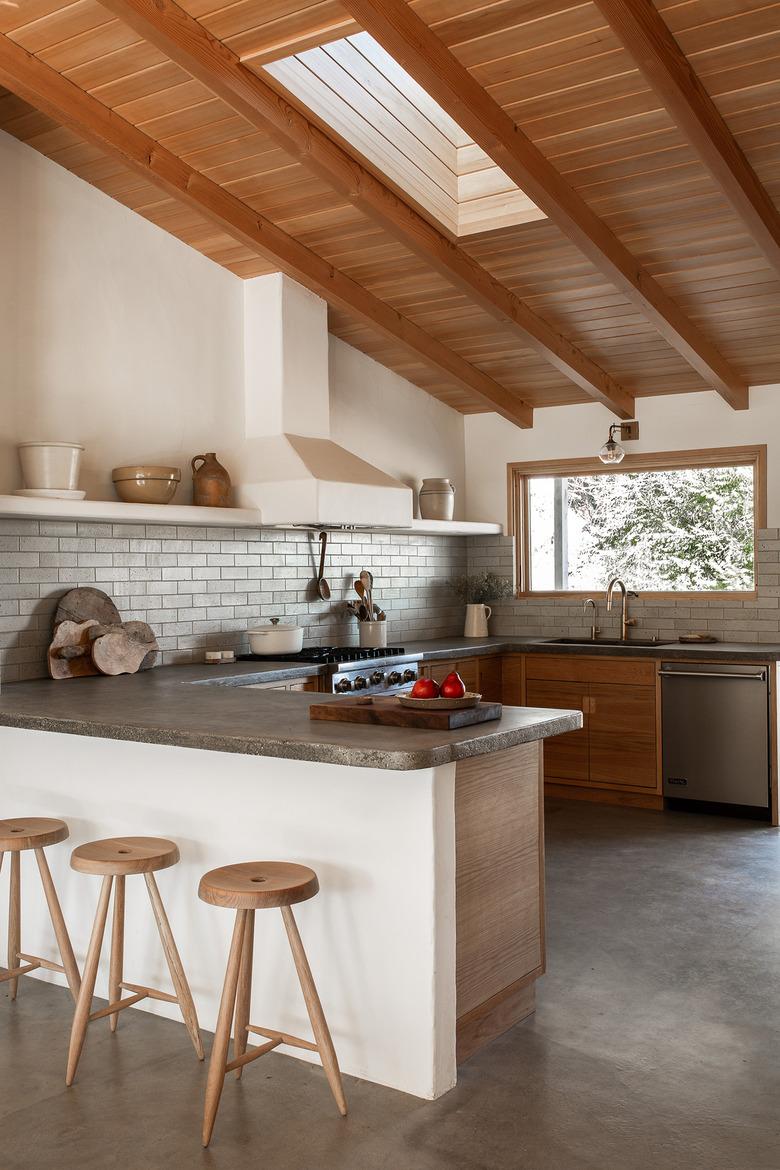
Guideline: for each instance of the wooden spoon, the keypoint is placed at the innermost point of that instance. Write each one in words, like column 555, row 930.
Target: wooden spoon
column 323, row 588
column 367, row 581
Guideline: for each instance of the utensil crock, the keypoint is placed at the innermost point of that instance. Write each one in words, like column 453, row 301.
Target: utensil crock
column 373, row 635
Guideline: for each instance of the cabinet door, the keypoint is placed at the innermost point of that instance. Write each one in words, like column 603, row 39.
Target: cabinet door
column 513, row 680
column 490, row 679
column 467, row 668
column 565, row 756
column 622, row 727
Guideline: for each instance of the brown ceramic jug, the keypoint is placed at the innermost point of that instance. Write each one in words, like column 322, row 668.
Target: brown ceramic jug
column 210, row 482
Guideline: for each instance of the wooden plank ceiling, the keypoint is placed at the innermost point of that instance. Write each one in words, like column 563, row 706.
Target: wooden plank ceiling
column 561, row 73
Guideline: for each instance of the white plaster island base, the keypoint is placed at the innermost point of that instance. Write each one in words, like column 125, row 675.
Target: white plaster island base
column 427, row 935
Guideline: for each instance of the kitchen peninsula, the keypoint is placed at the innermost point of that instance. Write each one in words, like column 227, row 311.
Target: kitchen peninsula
column 428, row 845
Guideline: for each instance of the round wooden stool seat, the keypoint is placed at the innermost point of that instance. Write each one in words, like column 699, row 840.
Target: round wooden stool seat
column 257, row 885
column 31, row 833
column 121, row 856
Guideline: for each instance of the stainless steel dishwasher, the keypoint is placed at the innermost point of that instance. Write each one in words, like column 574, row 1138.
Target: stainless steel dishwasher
column 715, row 733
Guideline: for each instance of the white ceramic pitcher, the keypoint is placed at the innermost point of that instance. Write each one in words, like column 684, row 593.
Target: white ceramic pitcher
column 477, row 621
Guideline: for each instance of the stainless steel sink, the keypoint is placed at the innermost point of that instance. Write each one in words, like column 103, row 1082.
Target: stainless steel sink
column 606, row 642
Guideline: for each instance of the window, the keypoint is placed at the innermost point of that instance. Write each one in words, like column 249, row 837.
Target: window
column 673, row 522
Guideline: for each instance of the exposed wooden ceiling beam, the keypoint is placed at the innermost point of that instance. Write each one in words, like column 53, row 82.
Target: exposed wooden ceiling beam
column 172, row 30
column 667, row 71
column 422, row 54
column 52, row 94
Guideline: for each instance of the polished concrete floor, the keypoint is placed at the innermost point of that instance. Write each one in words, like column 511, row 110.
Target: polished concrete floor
column 655, row 1046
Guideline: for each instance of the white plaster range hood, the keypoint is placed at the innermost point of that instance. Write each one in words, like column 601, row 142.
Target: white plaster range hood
column 288, row 465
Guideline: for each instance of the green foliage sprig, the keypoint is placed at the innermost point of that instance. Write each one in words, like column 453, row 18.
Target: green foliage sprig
column 481, row 588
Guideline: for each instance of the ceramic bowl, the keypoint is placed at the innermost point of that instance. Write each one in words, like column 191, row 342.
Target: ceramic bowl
column 470, row 699
column 146, row 484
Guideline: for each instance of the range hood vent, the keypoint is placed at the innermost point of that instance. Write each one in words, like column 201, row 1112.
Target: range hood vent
column 288, row 466
column 315, row 483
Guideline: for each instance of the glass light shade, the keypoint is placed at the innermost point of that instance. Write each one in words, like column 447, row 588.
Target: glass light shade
column 611, row 452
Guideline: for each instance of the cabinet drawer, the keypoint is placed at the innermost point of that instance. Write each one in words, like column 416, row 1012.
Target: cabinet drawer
column 573, row 668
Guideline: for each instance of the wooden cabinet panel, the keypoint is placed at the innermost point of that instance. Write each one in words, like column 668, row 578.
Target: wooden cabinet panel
column 513, row 680
column 467, row 668
column 622, row 735
column 579, row 668
column 306, row 684
column 498, row 874
column 490, row 679
column 565, row 756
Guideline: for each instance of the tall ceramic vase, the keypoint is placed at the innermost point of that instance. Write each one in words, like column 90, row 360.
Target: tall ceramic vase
column 477, row 621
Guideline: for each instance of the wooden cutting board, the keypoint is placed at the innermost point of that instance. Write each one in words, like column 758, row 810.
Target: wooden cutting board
column 387, row 711
column 87, row 604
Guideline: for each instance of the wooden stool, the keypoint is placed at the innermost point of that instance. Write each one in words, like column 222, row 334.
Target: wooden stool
column 259, row 885
column 114, row 859
column 16, row 836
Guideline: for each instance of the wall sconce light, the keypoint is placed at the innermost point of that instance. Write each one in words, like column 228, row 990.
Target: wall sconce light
column 612, row 452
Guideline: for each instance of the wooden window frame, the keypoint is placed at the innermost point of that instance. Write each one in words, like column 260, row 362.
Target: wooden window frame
column 519, row 474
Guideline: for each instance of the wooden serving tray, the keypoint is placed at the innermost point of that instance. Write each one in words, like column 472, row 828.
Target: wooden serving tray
column 386, row 710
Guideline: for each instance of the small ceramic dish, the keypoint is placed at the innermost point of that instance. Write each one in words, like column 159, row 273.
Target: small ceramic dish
column 470, row 699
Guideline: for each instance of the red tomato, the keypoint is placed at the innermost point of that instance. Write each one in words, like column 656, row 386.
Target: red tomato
column 453, row 687
column 425, row 688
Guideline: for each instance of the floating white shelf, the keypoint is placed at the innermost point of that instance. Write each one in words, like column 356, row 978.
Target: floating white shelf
column 456, row 528
column 116, row 512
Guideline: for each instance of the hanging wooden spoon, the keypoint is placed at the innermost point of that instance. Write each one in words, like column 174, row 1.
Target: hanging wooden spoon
column 323, row 588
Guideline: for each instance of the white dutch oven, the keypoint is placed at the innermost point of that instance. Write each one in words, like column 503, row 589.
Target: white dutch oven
column 275, row 638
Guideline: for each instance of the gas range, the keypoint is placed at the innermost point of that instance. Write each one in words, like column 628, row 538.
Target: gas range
column 353, row 669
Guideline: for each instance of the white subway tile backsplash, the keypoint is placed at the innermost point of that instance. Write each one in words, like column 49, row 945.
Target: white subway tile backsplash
column 201, row 587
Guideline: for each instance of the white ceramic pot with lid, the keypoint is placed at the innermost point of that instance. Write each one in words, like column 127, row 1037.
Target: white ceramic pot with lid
column 276, row 638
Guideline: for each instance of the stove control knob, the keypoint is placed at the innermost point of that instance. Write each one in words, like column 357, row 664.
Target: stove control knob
column 344, row 684
column 410, row 675
column 393, row 678
column 361, row 683
column 377, row 677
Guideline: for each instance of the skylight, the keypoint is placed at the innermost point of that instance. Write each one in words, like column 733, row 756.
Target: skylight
column 361, row 93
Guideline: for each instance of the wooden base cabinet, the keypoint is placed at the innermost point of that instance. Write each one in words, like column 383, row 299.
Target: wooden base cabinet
column 480, row 674
column 617, row 747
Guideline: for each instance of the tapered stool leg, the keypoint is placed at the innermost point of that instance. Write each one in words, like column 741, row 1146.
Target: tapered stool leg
column 117, row 948
column 219, row 1050
column 244, row 994
column 58, row 922
column 183, row 993
column 84, row 1001
column 316, row 1015
column 14, row 921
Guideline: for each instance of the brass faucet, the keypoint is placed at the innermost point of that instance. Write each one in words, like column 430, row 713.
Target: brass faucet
column 625, row 620
column 594, row 630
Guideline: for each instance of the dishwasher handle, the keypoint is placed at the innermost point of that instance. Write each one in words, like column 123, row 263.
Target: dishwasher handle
column 760, row 676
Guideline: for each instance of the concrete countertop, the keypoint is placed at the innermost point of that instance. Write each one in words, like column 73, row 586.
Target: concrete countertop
column 173, row 705
column 673, row 651
column 163, row 706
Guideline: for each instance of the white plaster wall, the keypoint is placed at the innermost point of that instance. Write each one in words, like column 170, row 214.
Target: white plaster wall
column 112, row 333
column 116, row 335
column 671, row 423
column 393, row 424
